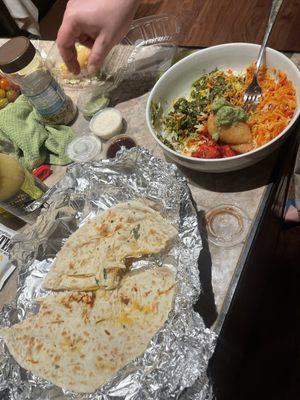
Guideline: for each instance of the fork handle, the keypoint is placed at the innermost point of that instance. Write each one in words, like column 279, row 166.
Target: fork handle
column 276, row 5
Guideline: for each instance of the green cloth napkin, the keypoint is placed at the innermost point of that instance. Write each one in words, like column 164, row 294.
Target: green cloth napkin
column 23, row 134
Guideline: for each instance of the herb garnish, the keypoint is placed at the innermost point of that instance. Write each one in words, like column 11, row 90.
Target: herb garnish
column 104, row 273
column 156, row 114
column 97, row 282
column 188, row 114
column 135, row 232
column 216, row 136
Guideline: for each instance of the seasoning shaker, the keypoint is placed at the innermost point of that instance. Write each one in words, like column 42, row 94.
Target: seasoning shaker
column 22, row 63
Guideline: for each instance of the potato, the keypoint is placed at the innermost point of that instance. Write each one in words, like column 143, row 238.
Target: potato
column 83, row 56
column 241, row 148
column 238, row 133
column 212, row 125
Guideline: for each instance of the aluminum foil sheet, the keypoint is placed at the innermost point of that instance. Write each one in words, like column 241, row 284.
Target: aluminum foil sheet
column 174, row 364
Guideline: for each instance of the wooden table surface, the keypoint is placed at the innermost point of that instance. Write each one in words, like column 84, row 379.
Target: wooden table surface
column 210, row 22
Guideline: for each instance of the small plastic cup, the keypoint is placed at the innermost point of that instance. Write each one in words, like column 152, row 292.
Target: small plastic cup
column 116, row 143
column 110, row 123
column 92, row 100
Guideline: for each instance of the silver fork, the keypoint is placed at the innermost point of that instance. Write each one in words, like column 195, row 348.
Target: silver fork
column 253, row 92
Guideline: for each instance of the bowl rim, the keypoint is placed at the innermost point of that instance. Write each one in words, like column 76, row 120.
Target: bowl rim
column 196, row 54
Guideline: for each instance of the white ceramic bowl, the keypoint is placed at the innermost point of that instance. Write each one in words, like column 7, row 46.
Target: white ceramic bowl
column 177, row 82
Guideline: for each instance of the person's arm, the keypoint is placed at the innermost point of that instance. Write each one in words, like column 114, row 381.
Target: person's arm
column 97, row 24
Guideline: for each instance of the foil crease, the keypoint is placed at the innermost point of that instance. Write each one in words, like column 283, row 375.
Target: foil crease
column 175, row 362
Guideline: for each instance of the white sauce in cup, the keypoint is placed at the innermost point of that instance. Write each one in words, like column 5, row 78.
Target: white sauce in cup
column 107, row 123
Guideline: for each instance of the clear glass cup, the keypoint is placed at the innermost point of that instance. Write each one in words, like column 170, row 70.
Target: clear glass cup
column 227, row 225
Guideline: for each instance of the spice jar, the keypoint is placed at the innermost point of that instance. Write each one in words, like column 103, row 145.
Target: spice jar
column 21, row 62
column 18, row 188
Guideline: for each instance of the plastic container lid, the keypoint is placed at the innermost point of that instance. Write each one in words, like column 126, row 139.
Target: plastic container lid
column 84, row 148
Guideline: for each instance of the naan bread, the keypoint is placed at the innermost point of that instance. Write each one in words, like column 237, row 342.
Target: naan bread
column 94, row 256
column 79, row 340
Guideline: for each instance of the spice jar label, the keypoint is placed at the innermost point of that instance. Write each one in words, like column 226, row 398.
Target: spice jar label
column 6, row 268
column 28, row 192
column 50, row 100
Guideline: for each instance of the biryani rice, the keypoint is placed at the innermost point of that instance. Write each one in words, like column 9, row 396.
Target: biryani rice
column 185, row 127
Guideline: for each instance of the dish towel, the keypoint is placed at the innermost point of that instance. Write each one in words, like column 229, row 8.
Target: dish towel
column 23, row 134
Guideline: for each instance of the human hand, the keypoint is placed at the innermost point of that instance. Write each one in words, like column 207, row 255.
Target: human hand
column 97, row 24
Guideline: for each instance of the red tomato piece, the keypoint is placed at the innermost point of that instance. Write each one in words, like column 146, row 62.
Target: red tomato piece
column 289, row 113
column 207, row 151
column 4, row 84
column 227, row 151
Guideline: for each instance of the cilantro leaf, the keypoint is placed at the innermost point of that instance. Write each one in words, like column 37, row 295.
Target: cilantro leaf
column 135, row 232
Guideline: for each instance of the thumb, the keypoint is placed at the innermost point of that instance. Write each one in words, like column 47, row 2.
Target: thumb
column 99, row 51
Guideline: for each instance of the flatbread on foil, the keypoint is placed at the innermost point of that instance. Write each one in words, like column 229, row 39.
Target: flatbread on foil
column 95, row 255
column 79, row 340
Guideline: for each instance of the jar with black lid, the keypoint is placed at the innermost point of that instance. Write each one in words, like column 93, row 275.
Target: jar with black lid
column 22, row 63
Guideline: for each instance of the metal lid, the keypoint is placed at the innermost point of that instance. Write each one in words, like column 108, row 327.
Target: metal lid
column 16, row 54
column 84, row 148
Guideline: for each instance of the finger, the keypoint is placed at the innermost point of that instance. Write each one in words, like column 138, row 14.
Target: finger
column 86, row 41
column 99, row 51
column 66, row 39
